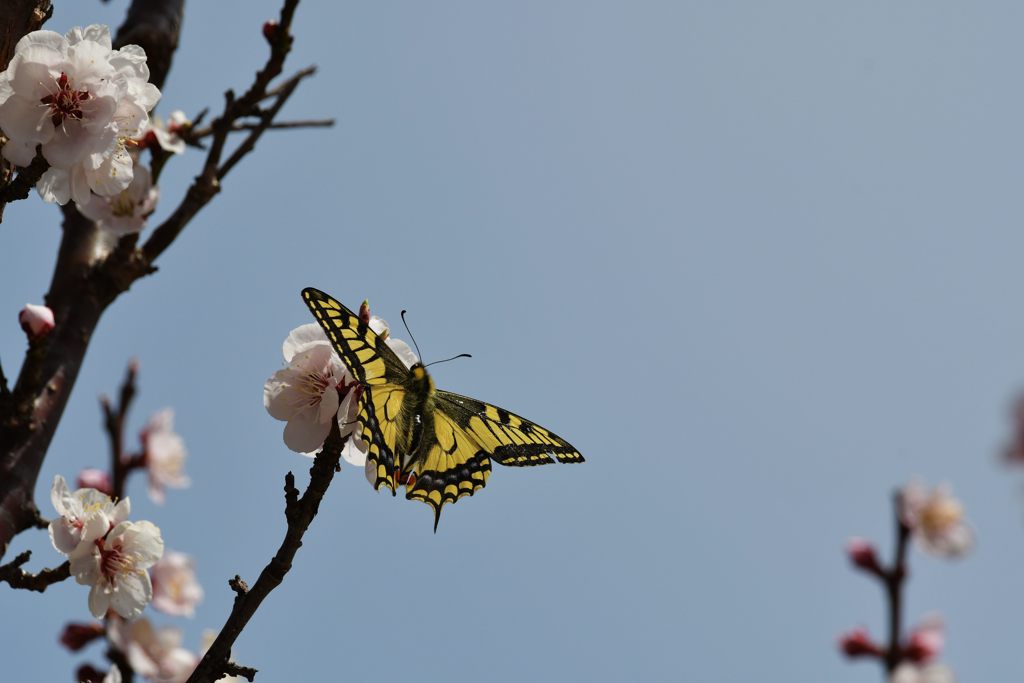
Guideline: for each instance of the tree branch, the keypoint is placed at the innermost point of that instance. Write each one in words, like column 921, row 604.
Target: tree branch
column 14, row 575
column 300, row 513
column 114, row 421
column 84, row 285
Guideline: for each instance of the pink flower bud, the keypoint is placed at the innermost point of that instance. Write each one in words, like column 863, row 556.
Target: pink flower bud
column 95, row 479
column 37, row 321
column 77, row 636
column 858, row 643
column 270, row 29
column 926, row 640
column 862, row 554
column 364, row 312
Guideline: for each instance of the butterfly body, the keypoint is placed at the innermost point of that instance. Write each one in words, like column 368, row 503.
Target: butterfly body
column 437, row 444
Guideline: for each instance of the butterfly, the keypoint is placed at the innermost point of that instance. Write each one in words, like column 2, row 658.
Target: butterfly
column 437, row 444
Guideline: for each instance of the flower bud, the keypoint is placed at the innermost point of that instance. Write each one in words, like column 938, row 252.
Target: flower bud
column 76, row 636
column 270, row 30
column 857, row 643
column 87, row 673
column 862, row 554
column 36, row 321
column 364, row 312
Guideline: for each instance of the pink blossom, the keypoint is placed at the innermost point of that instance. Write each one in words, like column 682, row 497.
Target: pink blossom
column 36, row 321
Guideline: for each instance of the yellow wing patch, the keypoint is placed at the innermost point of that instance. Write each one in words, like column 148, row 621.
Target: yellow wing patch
column 380, row 427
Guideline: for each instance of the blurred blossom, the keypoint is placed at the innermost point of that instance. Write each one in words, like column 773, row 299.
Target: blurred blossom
column 85, row 516
column 95, row 479
column 164, row 454
column 36, row 321
column 154, row 653
column 926, row 640
column 75, row 636
column 933, row 673
column 114, row 567
column 857, row 643
column 862, row 554
column 175, row 588
column 113, row 676
column 937, row 519
column 166, row 135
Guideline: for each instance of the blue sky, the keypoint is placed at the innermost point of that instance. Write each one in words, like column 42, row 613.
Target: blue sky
column 759, row 262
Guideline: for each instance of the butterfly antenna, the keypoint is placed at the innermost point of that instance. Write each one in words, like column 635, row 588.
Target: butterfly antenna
column 461, row 355
column 410, row 335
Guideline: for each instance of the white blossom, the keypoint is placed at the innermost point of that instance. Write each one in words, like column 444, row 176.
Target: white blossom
column 113, row 676
column 85, row 516
column 165, row 454
column 175, row 587
column 82, row 101
column 125, row 212
column 154, row 653
column 115, row 568
column 305, row 393
column 936, row 519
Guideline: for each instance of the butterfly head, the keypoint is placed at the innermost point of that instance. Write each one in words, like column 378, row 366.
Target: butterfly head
column 420, row 379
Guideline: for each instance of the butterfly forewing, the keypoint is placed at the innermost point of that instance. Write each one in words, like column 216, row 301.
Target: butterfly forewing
column 369, row 359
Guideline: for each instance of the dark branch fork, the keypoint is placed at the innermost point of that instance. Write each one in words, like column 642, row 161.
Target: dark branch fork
column 83, row 287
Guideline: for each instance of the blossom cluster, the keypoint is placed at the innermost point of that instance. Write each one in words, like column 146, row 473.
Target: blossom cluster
column 315, row 387
column 81, row 102
column 106, row 551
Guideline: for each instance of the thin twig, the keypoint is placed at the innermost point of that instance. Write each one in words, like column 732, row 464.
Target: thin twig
column 195, row 135
column 14, row 575
column 894, row 577
column 114, row 421
column 207, row 184
column 299, row 513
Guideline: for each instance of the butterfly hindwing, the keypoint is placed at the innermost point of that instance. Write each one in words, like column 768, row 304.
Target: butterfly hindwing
column 510, row 439
column 450, row 464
